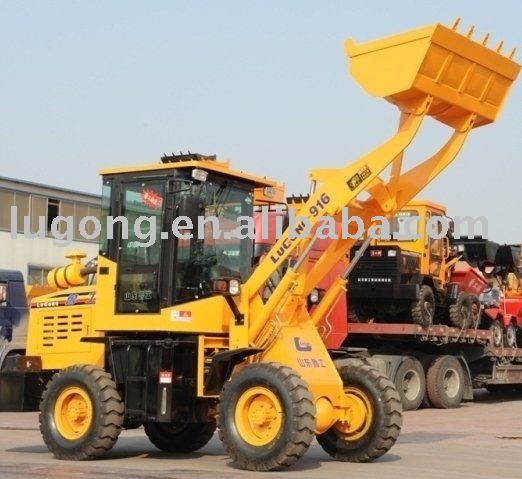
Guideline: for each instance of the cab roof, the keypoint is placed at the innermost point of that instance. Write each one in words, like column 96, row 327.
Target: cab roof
column 426, row 204
column 192, row 160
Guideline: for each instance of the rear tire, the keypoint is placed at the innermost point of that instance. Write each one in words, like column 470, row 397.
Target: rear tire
column 497, row 334
column 445, row 382
column 460, row 314
column 187, row 437
column 81, row 413
column 379, row 433
column 423, row 309
column 510, row 336
column 410, row 381
column 266, row 417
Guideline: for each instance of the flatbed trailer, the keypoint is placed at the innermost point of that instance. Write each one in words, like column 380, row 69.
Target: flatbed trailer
column 438, row 365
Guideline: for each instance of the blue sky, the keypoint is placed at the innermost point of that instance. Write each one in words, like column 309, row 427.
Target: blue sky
column 87, row 85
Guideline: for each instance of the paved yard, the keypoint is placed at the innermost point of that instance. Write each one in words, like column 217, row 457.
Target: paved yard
column 480, row 440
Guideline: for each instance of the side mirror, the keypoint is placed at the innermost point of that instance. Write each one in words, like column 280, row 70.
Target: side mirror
column 190, row 207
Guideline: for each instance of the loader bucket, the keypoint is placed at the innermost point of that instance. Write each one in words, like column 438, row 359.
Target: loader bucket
column 462, row 76
column 482, row 253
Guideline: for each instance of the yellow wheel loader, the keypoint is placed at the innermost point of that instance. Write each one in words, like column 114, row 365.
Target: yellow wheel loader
column 176, row 336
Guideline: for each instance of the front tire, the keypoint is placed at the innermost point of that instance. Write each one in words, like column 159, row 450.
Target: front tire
column 460, row 312
column 181, row 438
column 266, row 417
column 423, row 309
column 380, row 427
column 476, row 312
column 81, row 413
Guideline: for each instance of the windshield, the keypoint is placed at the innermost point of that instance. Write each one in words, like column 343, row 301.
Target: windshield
column 404, row 226
column 214, row 252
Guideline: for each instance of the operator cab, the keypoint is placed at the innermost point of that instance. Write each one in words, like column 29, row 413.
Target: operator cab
column 177, row 234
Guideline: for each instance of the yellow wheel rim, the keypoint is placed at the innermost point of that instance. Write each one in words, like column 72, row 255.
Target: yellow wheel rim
column 73, row 413
column 359, row 415
column 258, row 416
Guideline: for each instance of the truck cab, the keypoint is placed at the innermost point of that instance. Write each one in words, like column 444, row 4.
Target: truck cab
column 13, row 313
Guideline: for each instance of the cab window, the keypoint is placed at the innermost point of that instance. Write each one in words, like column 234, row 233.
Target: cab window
column 405, row 225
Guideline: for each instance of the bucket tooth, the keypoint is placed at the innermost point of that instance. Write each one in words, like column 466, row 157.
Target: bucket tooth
column 462, row 76
column 455, row 24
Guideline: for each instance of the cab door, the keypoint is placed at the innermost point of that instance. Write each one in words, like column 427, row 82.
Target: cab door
column 436, row 251
column 142, row 203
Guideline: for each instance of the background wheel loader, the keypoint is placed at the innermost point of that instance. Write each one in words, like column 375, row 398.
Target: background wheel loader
column 420, row 278
column 178, row 337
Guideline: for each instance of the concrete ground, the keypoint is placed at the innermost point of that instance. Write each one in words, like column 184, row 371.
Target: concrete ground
column 480, row 440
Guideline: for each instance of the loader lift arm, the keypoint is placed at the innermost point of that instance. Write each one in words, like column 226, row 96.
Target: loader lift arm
column 436, row 89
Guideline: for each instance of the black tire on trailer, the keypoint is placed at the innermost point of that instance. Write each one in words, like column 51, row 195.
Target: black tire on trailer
column 460, row 314
column 423, row 309
column 445, row 382
column 283, row 411
column 476, row 312
column 185, row 437
column 410, row 381
column 379, row 430
column 510, row 336
column 497, row 333
column 81, row 413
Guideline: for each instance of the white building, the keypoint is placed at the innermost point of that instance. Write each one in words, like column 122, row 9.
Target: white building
column 35, row 257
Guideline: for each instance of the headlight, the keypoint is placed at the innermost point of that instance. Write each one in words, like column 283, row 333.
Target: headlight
column 392, row 252
column 314, row 296
column 234, row 287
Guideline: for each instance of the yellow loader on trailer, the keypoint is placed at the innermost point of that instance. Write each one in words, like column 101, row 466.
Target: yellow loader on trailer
column 178, row 337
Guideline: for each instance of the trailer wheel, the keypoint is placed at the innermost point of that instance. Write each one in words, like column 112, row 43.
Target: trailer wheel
column 266, row 417
column 510, row 336
column 187, row 437
column 445, row 382
column 410, row 381
column 497, row 333
column 377, row 417
column 81, row 413
column 460, row 314
column 423, row 309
